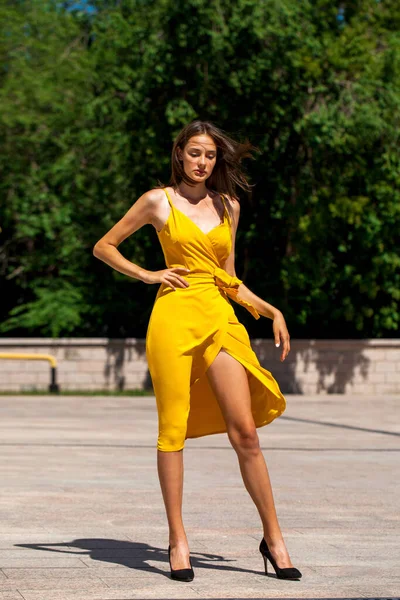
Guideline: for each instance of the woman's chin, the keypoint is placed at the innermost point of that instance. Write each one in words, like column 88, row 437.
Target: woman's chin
column 198, row 178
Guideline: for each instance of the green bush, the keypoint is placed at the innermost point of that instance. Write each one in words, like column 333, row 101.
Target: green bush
column 91, row 101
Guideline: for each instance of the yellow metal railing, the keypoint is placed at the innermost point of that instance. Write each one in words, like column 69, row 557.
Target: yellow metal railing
column 53, row 386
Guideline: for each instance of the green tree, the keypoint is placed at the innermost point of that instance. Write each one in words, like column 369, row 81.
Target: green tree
column 90, row 103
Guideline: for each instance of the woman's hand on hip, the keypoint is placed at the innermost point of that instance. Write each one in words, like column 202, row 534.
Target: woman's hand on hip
column 171, row 277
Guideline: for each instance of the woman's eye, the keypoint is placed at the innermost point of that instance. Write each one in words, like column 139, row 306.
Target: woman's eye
column 196, row 155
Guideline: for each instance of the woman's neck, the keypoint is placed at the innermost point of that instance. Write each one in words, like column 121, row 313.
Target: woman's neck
column 194, row 192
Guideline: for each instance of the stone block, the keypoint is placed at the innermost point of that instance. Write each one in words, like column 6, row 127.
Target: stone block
column 388, row 388
column 375, row 355
column 393, row 377
column 393, row 355
column 385, row 367
column 377, row 377
column 91, row 366
column 97, row 354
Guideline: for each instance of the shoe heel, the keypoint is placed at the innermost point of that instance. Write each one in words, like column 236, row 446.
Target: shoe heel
column 265, row 564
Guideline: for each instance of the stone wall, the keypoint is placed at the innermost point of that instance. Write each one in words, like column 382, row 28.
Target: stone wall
column 312, row 367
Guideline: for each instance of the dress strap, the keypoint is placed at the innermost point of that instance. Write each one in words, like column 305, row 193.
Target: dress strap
column 225, row 209
column 168, row 196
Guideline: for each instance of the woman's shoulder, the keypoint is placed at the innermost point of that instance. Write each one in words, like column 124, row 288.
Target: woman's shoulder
column 233, row 201
column 154, row 195
column 232, row 205
column 153, row 199
column 154, row 203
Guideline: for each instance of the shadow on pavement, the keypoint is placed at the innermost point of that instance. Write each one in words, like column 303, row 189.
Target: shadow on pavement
column 131, row 554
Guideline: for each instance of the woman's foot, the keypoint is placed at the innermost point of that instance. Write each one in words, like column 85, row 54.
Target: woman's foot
column 179, row 555
column 279, row 552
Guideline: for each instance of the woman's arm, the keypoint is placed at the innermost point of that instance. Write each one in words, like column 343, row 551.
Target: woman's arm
column 146, row 210
column 106, row 248
column 244, row 293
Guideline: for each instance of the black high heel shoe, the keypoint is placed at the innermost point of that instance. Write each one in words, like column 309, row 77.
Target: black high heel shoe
column 285, row 573
column 180, row 574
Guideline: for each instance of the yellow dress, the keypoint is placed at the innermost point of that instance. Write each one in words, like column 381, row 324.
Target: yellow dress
column 187, row 329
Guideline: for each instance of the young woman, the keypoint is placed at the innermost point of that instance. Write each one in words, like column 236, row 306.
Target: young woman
column 206, row 377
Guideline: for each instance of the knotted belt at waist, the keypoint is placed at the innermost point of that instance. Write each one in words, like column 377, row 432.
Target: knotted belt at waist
column 227, row 283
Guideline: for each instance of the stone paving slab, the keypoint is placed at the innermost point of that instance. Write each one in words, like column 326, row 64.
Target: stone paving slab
column 82, row 516
column 10, row 595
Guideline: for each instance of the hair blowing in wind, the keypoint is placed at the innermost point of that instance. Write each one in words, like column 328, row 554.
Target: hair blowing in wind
column 228, row 173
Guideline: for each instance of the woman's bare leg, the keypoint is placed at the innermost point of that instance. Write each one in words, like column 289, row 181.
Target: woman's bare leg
column 170, row 473
column 229, row 382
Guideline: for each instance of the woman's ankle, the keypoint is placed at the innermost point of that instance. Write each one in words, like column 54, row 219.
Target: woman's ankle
column 273, row 540
column 180, row 540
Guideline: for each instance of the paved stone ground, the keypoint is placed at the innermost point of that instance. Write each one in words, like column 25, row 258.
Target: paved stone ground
column 82, row 516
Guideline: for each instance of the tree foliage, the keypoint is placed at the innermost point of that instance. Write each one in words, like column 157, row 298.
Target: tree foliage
column 90, row 102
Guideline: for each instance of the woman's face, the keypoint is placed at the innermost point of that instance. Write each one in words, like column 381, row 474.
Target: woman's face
column 199, row 157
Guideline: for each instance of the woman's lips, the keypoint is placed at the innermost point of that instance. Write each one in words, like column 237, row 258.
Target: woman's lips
column 199, row 172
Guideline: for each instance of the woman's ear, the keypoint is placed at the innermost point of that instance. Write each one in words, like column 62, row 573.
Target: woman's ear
column 179, row 153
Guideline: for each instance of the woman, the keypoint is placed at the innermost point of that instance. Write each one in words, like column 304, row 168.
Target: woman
column 206, row 377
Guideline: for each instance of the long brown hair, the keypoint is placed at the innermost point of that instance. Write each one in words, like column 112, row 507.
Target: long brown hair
column 227, row 174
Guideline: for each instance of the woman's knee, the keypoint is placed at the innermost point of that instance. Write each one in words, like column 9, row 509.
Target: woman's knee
column 244, row 438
